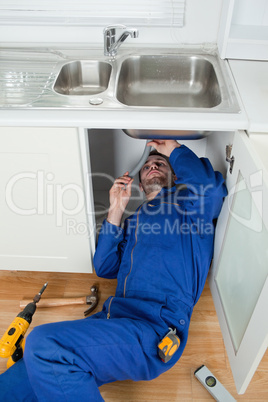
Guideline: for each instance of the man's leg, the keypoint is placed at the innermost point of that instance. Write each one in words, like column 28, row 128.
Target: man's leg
column 67, row 361
column 15, row 385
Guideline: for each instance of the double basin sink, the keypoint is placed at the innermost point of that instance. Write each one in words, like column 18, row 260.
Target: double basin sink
column 170, row 80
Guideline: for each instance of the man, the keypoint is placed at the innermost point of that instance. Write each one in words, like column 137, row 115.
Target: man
column 160, row 259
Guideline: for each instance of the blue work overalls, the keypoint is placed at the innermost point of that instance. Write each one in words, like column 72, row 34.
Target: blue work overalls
column 160, row 259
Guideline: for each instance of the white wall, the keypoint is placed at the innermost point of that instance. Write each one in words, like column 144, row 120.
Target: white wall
column 201, row 26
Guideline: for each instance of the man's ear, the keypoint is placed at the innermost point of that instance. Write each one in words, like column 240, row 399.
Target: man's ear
column 175, row 178
column 141, row 188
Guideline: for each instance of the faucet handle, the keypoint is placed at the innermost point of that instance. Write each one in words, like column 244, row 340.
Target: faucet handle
column 133, row 32
column 109, row 34
column 113, row 27
column 110, row 43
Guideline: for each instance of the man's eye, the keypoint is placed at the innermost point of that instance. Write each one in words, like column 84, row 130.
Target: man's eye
column 145, row 167
column 161, row 164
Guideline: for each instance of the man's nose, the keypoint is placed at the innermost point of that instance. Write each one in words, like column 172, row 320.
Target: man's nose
column 153, row 166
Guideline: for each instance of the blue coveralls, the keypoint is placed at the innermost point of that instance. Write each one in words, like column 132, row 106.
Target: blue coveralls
column 161, row 259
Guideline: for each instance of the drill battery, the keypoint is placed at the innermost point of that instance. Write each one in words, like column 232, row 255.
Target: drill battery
column 168, row 345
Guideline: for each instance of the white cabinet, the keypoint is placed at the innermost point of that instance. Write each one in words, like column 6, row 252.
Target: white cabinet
column 251, row 78
column 243, row 31
column 239, row 276
column 46, row 216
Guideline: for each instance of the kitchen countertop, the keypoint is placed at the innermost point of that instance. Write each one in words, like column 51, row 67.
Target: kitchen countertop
column 27, row 76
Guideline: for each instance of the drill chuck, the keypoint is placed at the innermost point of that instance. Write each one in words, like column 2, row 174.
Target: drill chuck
column 28, row 312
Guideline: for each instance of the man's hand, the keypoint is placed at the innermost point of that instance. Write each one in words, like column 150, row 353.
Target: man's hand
column 119, row 194
column 165, row 147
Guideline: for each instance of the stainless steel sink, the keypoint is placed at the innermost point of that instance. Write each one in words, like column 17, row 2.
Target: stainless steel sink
column 153, row 92
column 80, row 78
column 168, row 81
column 190, row 80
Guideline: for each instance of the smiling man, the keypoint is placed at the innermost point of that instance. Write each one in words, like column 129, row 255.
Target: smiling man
column 160, row 257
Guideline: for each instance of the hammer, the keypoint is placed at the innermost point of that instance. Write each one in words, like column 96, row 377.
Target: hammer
column 92, row 300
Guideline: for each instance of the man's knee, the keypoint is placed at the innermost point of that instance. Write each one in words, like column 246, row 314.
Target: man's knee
column 37, row 341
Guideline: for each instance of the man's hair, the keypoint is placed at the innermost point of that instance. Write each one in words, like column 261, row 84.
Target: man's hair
column 154, row 152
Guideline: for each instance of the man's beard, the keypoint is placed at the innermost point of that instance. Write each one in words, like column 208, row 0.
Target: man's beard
column 154, row 184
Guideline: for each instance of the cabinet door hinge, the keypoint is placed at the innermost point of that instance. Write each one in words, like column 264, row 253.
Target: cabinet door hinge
column 230, row 158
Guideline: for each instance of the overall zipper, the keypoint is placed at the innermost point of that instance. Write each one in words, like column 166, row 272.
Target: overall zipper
column 164, row 202
column 109, row 307
column 136, row 239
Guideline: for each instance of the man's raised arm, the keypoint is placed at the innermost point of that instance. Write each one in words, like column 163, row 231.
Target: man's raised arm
column 107, row 257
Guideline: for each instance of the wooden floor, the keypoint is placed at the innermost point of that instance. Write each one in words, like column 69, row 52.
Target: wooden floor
column 205, row 344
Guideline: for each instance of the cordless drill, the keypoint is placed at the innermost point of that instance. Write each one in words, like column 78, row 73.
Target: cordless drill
column 12, row 342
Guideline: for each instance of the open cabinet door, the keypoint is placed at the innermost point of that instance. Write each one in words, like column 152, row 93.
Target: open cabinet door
column 238, row 278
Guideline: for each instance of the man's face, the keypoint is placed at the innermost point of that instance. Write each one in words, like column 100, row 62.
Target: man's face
column 155, row 174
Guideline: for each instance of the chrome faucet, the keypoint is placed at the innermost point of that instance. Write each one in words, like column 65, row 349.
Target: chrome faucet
column 111, row 45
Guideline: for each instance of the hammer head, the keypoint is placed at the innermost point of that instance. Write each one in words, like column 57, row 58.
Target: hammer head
column 92, row 300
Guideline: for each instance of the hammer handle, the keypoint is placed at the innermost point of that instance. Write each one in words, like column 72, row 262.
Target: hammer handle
column 55, row 302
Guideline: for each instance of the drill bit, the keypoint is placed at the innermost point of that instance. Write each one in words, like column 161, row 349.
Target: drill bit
column 38, row 296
